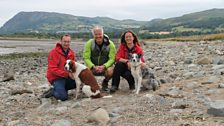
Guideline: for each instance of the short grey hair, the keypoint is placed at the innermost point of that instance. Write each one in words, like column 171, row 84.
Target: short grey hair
column 97, row 28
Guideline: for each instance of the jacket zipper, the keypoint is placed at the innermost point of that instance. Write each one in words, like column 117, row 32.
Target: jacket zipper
column 99, row 57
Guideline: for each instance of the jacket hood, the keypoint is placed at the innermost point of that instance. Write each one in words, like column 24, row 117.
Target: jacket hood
column 106, row 39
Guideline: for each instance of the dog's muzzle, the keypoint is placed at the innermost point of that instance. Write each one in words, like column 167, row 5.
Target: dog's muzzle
column 66, row 67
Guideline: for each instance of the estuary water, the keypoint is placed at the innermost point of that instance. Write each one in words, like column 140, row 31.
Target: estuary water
column 18, row 46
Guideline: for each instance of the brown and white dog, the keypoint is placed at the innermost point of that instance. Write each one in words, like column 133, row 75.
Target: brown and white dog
column 82, row 74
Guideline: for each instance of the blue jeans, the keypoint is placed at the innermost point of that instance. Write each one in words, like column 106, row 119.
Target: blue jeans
column 61, row 87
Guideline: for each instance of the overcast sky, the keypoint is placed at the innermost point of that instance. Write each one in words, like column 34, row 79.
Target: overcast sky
column 143, row 10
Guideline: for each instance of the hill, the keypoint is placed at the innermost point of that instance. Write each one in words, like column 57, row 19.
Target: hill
column 205, row 21
column 50, row 22
column 208, row 21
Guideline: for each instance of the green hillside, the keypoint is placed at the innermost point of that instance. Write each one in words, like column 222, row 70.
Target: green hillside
column 46, row 22
column 205, row 21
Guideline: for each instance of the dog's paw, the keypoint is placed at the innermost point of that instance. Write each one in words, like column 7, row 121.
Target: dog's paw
column 133, row 91
column 137, row 92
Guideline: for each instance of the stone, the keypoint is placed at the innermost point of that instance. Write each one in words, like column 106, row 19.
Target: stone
column 221, row 86
column 62, row 122
column 204, row 61
column 9, row 75
column 216, row 108
column 99, row 115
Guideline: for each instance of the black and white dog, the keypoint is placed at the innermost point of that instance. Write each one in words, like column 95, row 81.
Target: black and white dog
column 141, row 75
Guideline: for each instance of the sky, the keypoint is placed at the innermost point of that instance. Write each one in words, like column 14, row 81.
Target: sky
column 141, row 10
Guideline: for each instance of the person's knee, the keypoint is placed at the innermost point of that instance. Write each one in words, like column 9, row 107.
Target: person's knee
column 119, row 64
column 61, row 96
column 109, row 72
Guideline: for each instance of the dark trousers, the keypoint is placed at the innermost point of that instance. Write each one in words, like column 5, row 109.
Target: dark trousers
column 61, row 87
column 121, row 70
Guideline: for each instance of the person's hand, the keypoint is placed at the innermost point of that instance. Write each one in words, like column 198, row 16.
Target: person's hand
column 129, row 65
column 102, row 68
column 96, row 68
column 143, row 65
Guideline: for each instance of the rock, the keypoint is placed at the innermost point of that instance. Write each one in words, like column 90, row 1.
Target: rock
column 173, row 92
column 163, row 81
column 221, row 85
column 17, row 114
column 13, row 123
column 188, row 75
column 15, row 92
column 61, row 110
column 62, row 122
column 217, row 67
column 118, row 110
column 115, row 119
column 191, row 85
column 206, row 82
column 111, row 114
column 192, row 67
column 220, row 72
column 216, row 108
column 76, row 105
column 204, row 61
column 180, row 104
column 176, row 110
column 188, row 61
column 173, row 75
column 217, row 60
column 9, row 75
column 99, row 115
column 204, row 99
column 200, row 74
column 157, row 68
column 45, row 104
column 213, row 91
column 211, row 80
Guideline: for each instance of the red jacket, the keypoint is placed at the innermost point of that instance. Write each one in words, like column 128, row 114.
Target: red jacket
column 56, row 62
column 123, row 52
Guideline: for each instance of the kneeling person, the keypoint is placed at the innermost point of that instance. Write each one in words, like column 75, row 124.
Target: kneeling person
column 60, row 79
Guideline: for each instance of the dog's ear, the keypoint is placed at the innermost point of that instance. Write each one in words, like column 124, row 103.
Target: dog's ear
column 139, row 55
column 129, row 55
column 65, row 63
column 73, row 67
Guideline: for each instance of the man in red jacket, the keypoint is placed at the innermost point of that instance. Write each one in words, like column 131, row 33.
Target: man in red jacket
column 60, row 79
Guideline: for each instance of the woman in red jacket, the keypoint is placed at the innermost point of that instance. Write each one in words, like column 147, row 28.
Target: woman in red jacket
column 129, row 44
column 60, row 79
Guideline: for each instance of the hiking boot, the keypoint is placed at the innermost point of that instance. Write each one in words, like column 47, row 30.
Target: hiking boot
column 113, row 89
column 132, row 87
column 105, row 86
column 48, row 93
